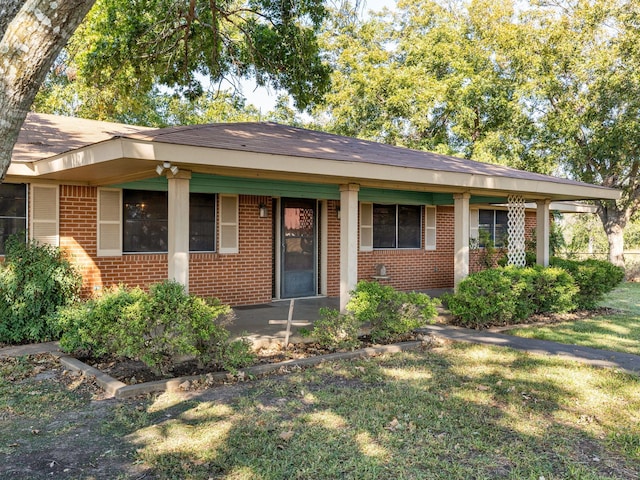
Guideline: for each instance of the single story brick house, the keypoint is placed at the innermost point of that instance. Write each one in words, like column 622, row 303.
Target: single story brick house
column 251, row 212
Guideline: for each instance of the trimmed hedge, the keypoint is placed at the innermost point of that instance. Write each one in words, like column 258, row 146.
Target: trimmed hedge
column 509, row 295
column 157, row 327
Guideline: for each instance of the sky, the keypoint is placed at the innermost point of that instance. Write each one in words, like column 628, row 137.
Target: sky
column 264, row 98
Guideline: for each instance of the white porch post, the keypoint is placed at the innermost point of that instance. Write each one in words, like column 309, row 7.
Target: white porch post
column 178, row 227
column 348, row 241
column 543, row 230
column 461, row 240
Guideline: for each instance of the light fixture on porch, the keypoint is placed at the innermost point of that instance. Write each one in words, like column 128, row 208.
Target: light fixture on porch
column 262, row 211
column 166, row 166
column 338, row 212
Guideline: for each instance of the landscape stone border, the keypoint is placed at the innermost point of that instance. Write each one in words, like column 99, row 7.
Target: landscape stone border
column 120, row 390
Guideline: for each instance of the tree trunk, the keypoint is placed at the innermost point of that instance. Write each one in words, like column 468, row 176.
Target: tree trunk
column 33, row 33
column 614, row 220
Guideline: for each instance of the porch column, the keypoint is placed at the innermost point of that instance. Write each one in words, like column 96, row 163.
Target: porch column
column 461, row 239
column 543, row 230
column 348, row 241
column 178, row 227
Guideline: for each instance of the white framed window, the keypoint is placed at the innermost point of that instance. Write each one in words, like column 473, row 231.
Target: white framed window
column 492, row 225
column 397, row 226
column 13, row 212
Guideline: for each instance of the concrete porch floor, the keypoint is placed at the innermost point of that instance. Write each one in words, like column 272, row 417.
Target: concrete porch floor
column 266, row 324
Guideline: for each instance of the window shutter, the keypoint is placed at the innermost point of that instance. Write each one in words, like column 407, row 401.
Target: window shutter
column 109, row 222
column 229, row 224
column 366, row 227
column 44, row 214
column 474, row 222
column 430, row 228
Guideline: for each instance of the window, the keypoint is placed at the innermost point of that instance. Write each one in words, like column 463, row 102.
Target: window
column 146, row 226
column 13, row 211
column 145, row 221
column 397, row 226
column 492, row 224
column 202, row 222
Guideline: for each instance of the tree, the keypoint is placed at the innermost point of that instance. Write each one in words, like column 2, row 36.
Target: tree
column 32, row 33
column 425, row 77
column 127, row 48
column 547, row 86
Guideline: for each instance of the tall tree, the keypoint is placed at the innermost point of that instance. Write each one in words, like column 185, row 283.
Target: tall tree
column 544, row 85
column 582, row 62
column 423, row 76
column 128, row 47
column 32, row 34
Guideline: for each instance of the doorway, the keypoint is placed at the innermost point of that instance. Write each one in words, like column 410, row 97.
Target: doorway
column 299, row 248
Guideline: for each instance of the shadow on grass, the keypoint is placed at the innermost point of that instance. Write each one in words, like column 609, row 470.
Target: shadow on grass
column 466, row 412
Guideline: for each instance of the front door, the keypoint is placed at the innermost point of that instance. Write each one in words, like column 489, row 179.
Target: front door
column 299, row 262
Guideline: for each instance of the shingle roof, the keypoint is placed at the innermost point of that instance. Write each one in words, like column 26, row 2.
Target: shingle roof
column 43, row 136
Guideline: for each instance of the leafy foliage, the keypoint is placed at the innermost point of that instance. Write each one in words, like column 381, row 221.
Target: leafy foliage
column 336, row 331
column 594, row 279
column 157, row 327
column 508, row 295
column 388, row 312
column 35, row 280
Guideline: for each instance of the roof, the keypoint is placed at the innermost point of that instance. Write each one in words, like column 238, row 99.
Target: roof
column 62, row 148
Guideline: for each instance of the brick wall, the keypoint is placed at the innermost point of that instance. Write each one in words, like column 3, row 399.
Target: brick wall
column 247, row 277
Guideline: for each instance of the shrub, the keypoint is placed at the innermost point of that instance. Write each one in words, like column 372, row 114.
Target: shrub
column 594, row 278
column 508, row 295
column 158, row 328
column 389, row 312
column 35, row 280
column 335, row 330
column 483, row 299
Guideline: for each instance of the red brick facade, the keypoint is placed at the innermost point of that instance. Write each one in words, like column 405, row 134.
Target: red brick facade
column 247, row 277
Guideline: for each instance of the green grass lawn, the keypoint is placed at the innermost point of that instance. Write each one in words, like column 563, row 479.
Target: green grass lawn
column 458, row 411
column 618, row 332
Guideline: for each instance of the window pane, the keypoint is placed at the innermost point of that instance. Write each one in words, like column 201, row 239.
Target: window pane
column 409, row 226
column 13, row 211
column 485, row 226
column 202, row 222
column 384, row 226
column 501, row 228
column 145, row 221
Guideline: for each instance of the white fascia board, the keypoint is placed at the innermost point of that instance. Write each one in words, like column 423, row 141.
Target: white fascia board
column 119, row 148
column 90, row 155
column 373, row 172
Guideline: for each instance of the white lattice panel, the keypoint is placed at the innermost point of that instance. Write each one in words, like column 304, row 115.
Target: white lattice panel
column 515, row 229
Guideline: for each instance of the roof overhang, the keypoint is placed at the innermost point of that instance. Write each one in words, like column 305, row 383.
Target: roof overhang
column 124, row 159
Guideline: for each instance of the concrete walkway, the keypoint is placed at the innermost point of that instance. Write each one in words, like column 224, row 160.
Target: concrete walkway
column 265, row 324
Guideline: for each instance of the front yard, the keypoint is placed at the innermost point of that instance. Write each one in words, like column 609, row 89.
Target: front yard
column 453, row 411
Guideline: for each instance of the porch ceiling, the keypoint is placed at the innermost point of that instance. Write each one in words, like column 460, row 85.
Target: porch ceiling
column 56, row 149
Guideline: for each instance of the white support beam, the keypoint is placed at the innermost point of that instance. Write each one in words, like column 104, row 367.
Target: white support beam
column 543, row 231
column 461, row 239
column 348, row 241
column 178, row 227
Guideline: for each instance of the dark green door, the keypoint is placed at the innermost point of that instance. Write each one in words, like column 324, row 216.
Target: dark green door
column 299, row 264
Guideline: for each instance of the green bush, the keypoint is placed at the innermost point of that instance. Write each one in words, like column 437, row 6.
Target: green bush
column 158, row 328
column 508, row 295
column 483, row 299
column 35, row 280
column 594, row 278
column 335, row 330
column 389, row 312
